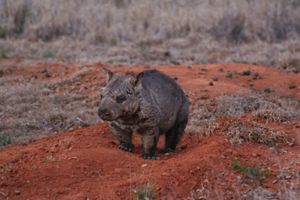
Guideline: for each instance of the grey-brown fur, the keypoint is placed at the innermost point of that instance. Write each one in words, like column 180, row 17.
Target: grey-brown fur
column 150, row 103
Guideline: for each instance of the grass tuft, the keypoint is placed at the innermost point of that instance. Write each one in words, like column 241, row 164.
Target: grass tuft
column 254, row 173
column 145, row 192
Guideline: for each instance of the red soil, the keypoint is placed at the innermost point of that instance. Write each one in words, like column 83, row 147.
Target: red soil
column 86, row 164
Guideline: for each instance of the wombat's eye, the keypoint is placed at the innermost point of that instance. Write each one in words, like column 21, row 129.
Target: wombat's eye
column 120, row 99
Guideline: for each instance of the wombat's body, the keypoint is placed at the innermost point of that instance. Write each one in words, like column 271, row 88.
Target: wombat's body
column 150, row 104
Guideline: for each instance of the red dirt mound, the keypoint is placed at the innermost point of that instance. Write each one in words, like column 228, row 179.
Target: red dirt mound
column 86, row 163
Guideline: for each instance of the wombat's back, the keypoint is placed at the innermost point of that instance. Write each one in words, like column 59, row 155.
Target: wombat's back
column 163, row 86
column 164, row 93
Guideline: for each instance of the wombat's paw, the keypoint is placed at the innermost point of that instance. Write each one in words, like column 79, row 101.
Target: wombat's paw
column 126, row 147
column 150, row 157
column 167, row 150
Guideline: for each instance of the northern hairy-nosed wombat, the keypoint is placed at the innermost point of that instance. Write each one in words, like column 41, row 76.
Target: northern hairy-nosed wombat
column 149, row 103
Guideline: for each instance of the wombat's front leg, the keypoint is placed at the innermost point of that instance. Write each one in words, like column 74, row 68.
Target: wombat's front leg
column 150, row 139
column 124, row 135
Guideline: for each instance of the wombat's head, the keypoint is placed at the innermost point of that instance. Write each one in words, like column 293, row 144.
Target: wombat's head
column 118, row 98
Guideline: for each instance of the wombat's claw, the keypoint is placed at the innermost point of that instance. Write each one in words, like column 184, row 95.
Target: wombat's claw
column 150, row 157
column 128, row 148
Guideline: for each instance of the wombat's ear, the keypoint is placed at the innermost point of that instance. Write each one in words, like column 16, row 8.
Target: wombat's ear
column 133, row 78
column 109, row 74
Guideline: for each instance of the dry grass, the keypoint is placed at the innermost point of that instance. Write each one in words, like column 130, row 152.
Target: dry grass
column 204, row 118
column 152, row 32
column 210, row 191
column 270, row 108
column 251, row 186
column 238, row 132
column 31, row 108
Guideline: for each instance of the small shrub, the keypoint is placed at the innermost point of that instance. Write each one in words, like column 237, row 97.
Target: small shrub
column 291, row 62
column 230, row 27
column 20, row 18
column 3, row 54
column 3, row 33
column 50, row 32
column 246, row 73
column 145, row 192
column 5, row 139
column 267, row 90
column 49, row 54
column 215, row 79
column 229, row 74
column 256, row 76
column 292, row 86
column 254, row 173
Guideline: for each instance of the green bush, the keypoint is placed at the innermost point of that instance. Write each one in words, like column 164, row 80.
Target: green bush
column 5, row 140
column 254, row 173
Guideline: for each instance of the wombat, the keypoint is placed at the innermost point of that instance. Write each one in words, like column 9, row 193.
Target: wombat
column 149, row 103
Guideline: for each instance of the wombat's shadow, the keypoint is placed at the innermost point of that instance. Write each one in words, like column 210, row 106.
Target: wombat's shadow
column 186, row 144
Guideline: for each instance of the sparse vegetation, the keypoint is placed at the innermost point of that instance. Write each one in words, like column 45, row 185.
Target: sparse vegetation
column 256, row 76
column 291, row 62
column 148, row 32
column 282, row 109
column 5, row 140
column 215, row 79
column 145, row 192
column 49, row 54
column 267, row 90
column 3, row 33
column 239, row 132
column 229, row 74
column 3, row 54
column 30, row 108
column 292, row 86
column 204, row 118
column 254, row 173
column 246, row 72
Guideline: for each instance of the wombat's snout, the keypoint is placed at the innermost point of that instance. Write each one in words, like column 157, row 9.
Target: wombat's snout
column 104, row 113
